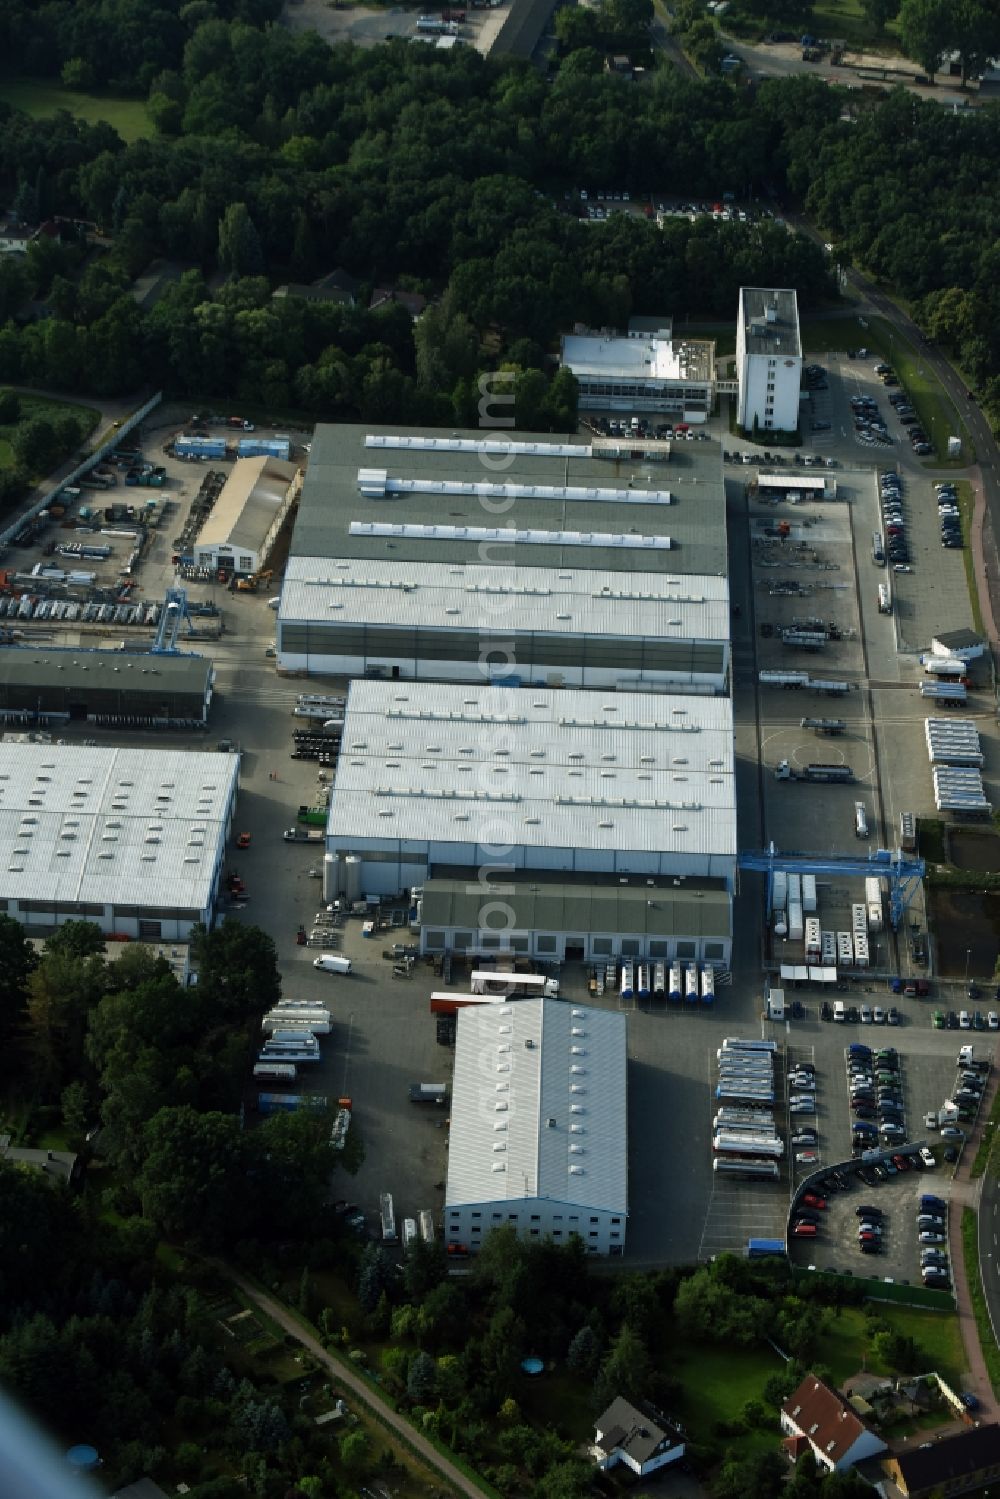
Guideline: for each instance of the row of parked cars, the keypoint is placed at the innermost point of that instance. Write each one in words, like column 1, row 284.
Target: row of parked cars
column 897, row 550
column 875, row 1090
column 965, row 1020
column 863, row 1014
column 905, row 410
column 949, row 515
column 869, row 425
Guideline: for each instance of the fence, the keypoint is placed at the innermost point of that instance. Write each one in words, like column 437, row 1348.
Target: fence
column 878, row 1289
column 91, row 461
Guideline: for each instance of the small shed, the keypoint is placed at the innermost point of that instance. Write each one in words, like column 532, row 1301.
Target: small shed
column 962, row 645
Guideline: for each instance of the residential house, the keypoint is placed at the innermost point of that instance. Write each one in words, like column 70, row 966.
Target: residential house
column 143, row 1488
column 639, row 1438
column 382, row 296
column 156, row 280
column 953, row 1465
column 15, row 237
column 60, row 1165
column 338, row 287
column 820, row 1416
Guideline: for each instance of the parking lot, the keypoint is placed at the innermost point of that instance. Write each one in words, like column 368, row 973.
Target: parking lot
column 892, row 1233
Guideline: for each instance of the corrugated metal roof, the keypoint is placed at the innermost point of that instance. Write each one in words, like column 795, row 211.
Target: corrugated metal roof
column 574, row 769
column 122, row 826
column 556, row 600
column 124, row 670
column 248, row 503
column 539, row 1106
column 333, row 496
column 540, row 902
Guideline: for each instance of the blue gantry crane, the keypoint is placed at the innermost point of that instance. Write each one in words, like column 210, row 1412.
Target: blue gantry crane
column 174, row 613
column 903, row 871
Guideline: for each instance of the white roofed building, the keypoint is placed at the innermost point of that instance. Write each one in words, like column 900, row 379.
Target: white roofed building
column 768, row 360
column 613, row 813
column 567, row 561
column 642, row 372
column 539, row 1125
column 245, row 520
column 463, row 621
column 133, row 840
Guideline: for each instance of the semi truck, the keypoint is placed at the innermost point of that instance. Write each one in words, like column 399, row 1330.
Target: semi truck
column 725, row 1143
column 387, row 1214
column 816, row 773
column 303, row 835
column 786, row 679
column 513, row 985
column 827, row 726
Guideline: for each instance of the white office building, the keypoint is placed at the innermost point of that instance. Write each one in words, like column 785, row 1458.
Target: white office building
column 539, row 1125
column 768, row 360
column 133, row 840
column 608, row 818
column 644, row 371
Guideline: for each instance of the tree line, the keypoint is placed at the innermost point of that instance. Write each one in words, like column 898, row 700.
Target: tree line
column 456, row 177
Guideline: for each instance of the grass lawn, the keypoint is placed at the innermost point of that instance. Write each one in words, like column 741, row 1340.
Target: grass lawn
column 718, row 1381
column 844, row 20
column 50, row 407
column 845, row 1348
column 561, row 1400
column 966, row 505
column 985, row 1150
column 43, row 97
column 987, row 1342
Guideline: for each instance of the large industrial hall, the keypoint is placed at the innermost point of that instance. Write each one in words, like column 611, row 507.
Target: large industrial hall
column 133, row 840
column 539, row 1125
column 613, row 813
column 569, row 561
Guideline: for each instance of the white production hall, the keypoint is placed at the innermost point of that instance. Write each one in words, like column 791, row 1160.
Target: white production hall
column 131, row 839
column 539, row 1125
column 609, row 795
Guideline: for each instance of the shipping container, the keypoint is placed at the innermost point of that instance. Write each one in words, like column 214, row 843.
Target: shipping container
column 795, row 921
column 813, row 939
column 779, row 890
column 808, row 893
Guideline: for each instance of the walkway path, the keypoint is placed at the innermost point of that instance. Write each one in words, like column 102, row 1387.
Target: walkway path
column 346, row 1376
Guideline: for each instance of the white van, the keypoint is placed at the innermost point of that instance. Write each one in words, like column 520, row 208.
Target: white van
column 332, row 963
column 839, row 1012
